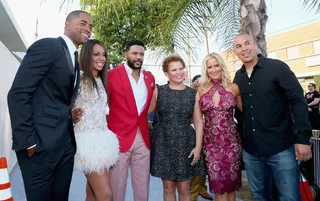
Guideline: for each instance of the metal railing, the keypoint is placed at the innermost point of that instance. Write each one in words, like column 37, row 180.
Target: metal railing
column 316, row 157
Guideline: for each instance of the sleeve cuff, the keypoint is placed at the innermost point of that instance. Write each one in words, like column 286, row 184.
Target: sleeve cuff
column 303, row 140
column 32, row 146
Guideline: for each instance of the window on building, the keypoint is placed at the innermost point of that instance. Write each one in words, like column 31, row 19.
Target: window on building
column 272, row 55
column 316, row 47
column 313, row 61
column 293, row 52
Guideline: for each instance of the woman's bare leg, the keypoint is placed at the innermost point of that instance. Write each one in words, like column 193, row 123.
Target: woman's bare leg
column 184, row 190
column 89, row 193
column 232, row 196
column 100, row 186
column 221, row 197
column 169, row 190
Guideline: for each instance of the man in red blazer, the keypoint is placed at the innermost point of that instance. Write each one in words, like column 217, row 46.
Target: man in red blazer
column 130, row 91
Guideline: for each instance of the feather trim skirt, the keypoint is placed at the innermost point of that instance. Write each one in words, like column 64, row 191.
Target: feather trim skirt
column 96, row 151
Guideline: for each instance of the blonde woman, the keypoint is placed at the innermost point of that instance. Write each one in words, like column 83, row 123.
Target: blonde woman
column 222, row 144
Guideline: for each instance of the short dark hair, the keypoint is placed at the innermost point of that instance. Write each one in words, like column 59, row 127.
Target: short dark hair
column 170, row 59
column 75, row 14
column 132, row 43
column 196, row 77
column 313, row 84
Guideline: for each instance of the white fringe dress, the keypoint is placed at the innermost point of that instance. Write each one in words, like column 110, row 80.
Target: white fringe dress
column 97, row 146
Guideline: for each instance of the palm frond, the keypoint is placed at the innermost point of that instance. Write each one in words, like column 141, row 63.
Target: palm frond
column 312, row 4
column 63, row 3
column 101, row 5
column 184, row 24
column 227, row 23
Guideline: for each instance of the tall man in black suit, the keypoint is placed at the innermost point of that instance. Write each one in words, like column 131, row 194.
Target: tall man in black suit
column 39, row 103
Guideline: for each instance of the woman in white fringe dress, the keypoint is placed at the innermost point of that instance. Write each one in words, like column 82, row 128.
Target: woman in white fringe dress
column 97, row 146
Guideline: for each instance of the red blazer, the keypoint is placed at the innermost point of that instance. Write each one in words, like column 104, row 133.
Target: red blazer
column 123, row 117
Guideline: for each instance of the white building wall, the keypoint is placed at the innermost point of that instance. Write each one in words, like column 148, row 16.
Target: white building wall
column 8, row 69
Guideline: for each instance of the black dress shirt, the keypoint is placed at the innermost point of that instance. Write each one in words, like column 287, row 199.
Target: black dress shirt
column 270, row 97
column 310, row 96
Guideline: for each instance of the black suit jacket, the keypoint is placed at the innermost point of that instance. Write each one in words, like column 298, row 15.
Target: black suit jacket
column 40, row 98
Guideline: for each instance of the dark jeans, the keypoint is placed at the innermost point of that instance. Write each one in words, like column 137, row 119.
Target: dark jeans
column 282, row 167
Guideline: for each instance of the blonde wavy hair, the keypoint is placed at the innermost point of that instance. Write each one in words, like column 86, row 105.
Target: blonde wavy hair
column 205, row 80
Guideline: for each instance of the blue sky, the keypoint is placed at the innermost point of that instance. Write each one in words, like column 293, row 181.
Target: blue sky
column 284, row 14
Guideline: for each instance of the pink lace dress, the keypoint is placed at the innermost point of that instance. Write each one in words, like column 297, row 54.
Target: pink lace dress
column 222, row 144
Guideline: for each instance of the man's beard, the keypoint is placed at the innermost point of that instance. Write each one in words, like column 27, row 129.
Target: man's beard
column 131, row 65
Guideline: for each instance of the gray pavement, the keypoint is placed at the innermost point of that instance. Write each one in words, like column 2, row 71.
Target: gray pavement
column 77, row 189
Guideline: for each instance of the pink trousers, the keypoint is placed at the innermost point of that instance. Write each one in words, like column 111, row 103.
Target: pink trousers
column 138, row 159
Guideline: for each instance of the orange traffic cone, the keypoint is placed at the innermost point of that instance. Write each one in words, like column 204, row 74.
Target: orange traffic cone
column 305, row 190
column 5, row 186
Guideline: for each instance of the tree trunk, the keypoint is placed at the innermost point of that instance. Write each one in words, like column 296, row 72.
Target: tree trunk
column 253, row 14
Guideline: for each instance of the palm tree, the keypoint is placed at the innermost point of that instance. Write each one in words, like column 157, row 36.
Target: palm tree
column 312, row 4
column 181, row 24
column 250, row 19
column 253, row 22
column 187, row 22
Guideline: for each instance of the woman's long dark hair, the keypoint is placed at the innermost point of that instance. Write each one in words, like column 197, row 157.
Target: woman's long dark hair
column 86, row 64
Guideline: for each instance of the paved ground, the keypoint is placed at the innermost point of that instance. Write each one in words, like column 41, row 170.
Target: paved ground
column 77, row 191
